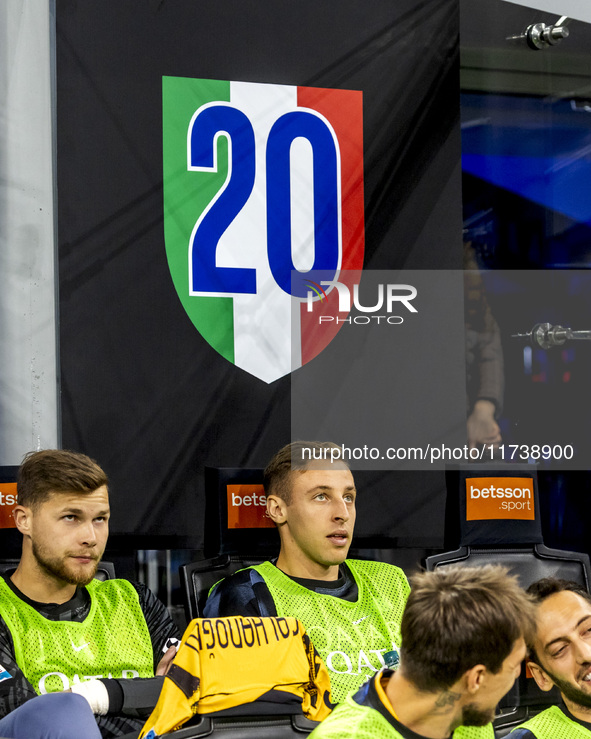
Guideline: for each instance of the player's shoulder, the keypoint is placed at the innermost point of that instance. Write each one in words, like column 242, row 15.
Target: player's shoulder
column 350, row 718
column 121, row 585
column 247, row 576
column 243, row 593
column 115, row 583
column 375, row 568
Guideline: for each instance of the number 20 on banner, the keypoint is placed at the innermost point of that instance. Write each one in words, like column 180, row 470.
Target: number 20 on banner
column 270, row 195
column 215, row 120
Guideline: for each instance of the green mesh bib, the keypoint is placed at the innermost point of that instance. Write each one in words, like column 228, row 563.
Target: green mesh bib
column 474, row 732
column 363, row 722
column 350, row 637
column 554, row 724
column 112, row 641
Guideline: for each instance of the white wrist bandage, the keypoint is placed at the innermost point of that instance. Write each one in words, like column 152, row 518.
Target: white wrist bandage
column 95, row 693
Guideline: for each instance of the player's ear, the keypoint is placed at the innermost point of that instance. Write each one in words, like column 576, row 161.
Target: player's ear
column 22, row 518
column 474, row 678
column 276, row 509
column 542, row 679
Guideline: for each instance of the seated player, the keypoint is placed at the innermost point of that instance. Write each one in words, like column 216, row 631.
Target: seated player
column 59, row 628
column 462, row 647
column 351, row 609
column 560, row 654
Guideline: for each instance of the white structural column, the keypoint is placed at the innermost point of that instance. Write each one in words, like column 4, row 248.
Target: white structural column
column 28, row 364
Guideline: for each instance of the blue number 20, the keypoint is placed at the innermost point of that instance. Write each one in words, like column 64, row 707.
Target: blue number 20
column 217, row 120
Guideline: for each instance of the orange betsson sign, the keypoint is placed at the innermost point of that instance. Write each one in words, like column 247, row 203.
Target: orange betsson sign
column 499, row 497
column 247, row 505
column 7, row 503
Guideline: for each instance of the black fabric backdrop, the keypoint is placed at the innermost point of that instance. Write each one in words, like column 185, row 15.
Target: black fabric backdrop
column 142, row 392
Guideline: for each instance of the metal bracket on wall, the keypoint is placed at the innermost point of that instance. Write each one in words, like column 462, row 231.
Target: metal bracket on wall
column 540, row 36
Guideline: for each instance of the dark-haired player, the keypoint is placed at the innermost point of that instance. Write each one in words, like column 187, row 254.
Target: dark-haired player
column 560, row 655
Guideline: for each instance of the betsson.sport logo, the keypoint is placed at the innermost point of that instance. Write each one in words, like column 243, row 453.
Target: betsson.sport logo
column 499, row 498
column 247, row 505
column 263, row 195
column 8, row 500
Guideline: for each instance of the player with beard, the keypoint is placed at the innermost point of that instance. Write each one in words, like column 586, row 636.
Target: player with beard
column 560, row 655
column 462, row 646
column 62, row 630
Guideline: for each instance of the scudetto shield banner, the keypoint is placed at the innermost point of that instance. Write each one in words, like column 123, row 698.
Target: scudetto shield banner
column 261, row 183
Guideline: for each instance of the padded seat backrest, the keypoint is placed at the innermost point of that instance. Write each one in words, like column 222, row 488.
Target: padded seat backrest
column 105, row 571
column 528, row 563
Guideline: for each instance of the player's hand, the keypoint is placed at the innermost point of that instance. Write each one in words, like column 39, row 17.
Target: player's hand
column 166, row 661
